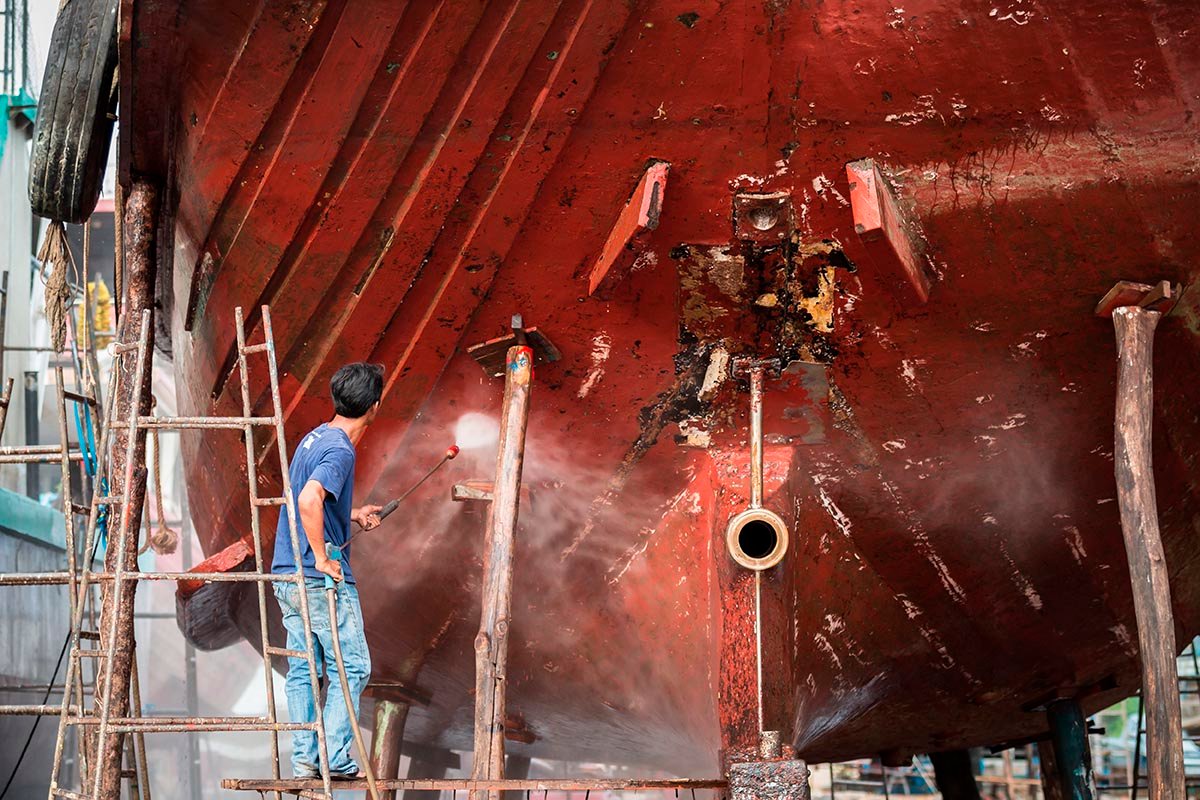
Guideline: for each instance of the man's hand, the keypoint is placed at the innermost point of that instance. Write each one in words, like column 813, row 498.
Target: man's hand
column 328, row 566
column 367, row 517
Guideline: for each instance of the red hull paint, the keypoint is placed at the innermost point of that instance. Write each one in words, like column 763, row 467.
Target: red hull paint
column 397, row 181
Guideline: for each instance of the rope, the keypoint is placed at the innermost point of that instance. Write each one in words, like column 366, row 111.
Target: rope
column 85, row 329
column 55, row 256
column 118, row 249
column 164, row 540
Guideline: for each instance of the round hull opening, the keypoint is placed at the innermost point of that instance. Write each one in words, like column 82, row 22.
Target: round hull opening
column 757, row 538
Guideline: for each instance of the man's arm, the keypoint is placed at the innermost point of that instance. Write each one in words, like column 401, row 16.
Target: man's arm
column 312, row 515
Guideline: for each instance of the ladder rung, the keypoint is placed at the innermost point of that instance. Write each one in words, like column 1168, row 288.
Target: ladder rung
column 261, row 347
column 123, row 347
column 269, row 501
column 128, row 773
column 90, row 653
column 111, row 500
column 201, row 577
column 35, row 711
column 82, row 510
column 79, row 398
column 69, row 794
column 92, row 636
column 187, row 423
column 191, row 724
column 283, row 651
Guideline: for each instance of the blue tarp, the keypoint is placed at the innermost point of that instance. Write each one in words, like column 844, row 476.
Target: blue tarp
column 24, row 517
column 11, row 104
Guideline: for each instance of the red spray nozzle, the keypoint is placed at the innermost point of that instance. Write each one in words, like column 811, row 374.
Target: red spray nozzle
column 451, row 451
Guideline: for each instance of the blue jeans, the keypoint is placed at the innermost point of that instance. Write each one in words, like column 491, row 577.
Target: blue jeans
column 339, row 736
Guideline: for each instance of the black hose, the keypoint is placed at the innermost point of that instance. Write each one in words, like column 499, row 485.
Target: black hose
column 29, row 739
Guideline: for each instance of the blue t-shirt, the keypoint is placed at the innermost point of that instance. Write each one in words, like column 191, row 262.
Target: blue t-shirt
column 326, row 456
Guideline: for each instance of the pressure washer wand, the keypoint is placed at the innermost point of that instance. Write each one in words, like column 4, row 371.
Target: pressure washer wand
column 450, row 453
column 392, row 505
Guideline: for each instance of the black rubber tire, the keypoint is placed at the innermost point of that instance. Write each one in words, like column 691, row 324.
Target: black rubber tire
column 74, row 118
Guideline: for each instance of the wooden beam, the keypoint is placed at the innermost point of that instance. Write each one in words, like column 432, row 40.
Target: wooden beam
column 481, row 491
column 491, row 643
column 1143, row 546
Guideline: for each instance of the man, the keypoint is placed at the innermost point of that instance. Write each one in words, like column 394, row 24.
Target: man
column 322, row 473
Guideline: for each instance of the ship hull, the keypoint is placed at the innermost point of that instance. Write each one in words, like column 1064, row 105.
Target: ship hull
column 397, row 181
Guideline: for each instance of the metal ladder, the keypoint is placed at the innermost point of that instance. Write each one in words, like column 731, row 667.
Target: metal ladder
column 107, row 727
column 64, row 455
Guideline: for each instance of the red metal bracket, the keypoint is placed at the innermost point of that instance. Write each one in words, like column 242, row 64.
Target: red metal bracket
column 881, row 225
column 639, row 215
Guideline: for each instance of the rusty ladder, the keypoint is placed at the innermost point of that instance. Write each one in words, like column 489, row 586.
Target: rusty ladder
column 106, row 727
column 63, row 454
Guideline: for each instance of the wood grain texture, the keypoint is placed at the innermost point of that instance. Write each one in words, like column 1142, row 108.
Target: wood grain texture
column 491, row 644
column 1143, row 544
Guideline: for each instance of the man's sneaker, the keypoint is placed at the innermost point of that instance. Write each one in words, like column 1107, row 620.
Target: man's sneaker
column 349, row 775
column 305, row 772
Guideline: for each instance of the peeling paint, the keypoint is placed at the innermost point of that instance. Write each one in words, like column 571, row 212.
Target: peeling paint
column 601, row 349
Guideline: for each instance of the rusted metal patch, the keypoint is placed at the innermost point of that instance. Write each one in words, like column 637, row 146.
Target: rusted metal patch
column 769, row 780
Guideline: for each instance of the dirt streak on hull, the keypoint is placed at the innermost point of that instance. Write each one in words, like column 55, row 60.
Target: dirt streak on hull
column 396, row 180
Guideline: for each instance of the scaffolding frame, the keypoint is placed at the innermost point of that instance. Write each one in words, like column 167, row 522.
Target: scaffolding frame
column 102, row 728
column 77, row 596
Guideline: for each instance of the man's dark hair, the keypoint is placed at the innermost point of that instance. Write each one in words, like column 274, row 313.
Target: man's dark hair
column 355, row 388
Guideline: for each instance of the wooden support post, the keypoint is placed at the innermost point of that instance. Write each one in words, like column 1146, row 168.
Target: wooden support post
column 1049, row 772
column 141, row 226
column 491, row 643
column 953, row 774
column 1072, row 754
column 386, row 738
column 1143, row 546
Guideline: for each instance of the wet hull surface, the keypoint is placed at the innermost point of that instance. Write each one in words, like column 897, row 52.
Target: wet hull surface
column 397, row 180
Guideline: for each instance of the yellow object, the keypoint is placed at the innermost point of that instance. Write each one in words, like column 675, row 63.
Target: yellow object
column 99, row 300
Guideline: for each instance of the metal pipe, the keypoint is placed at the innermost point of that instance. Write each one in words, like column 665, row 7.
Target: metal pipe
column 139, row 737
column 756, row 436
column 491, row 643
column 33, row 449
column 33, row 710
column 243, row 722
column 186, row 423
column 387, row 739
column 461, row 784
column 39, row 458
column 59, row 578
column 32, row 432
column 1068, row 735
